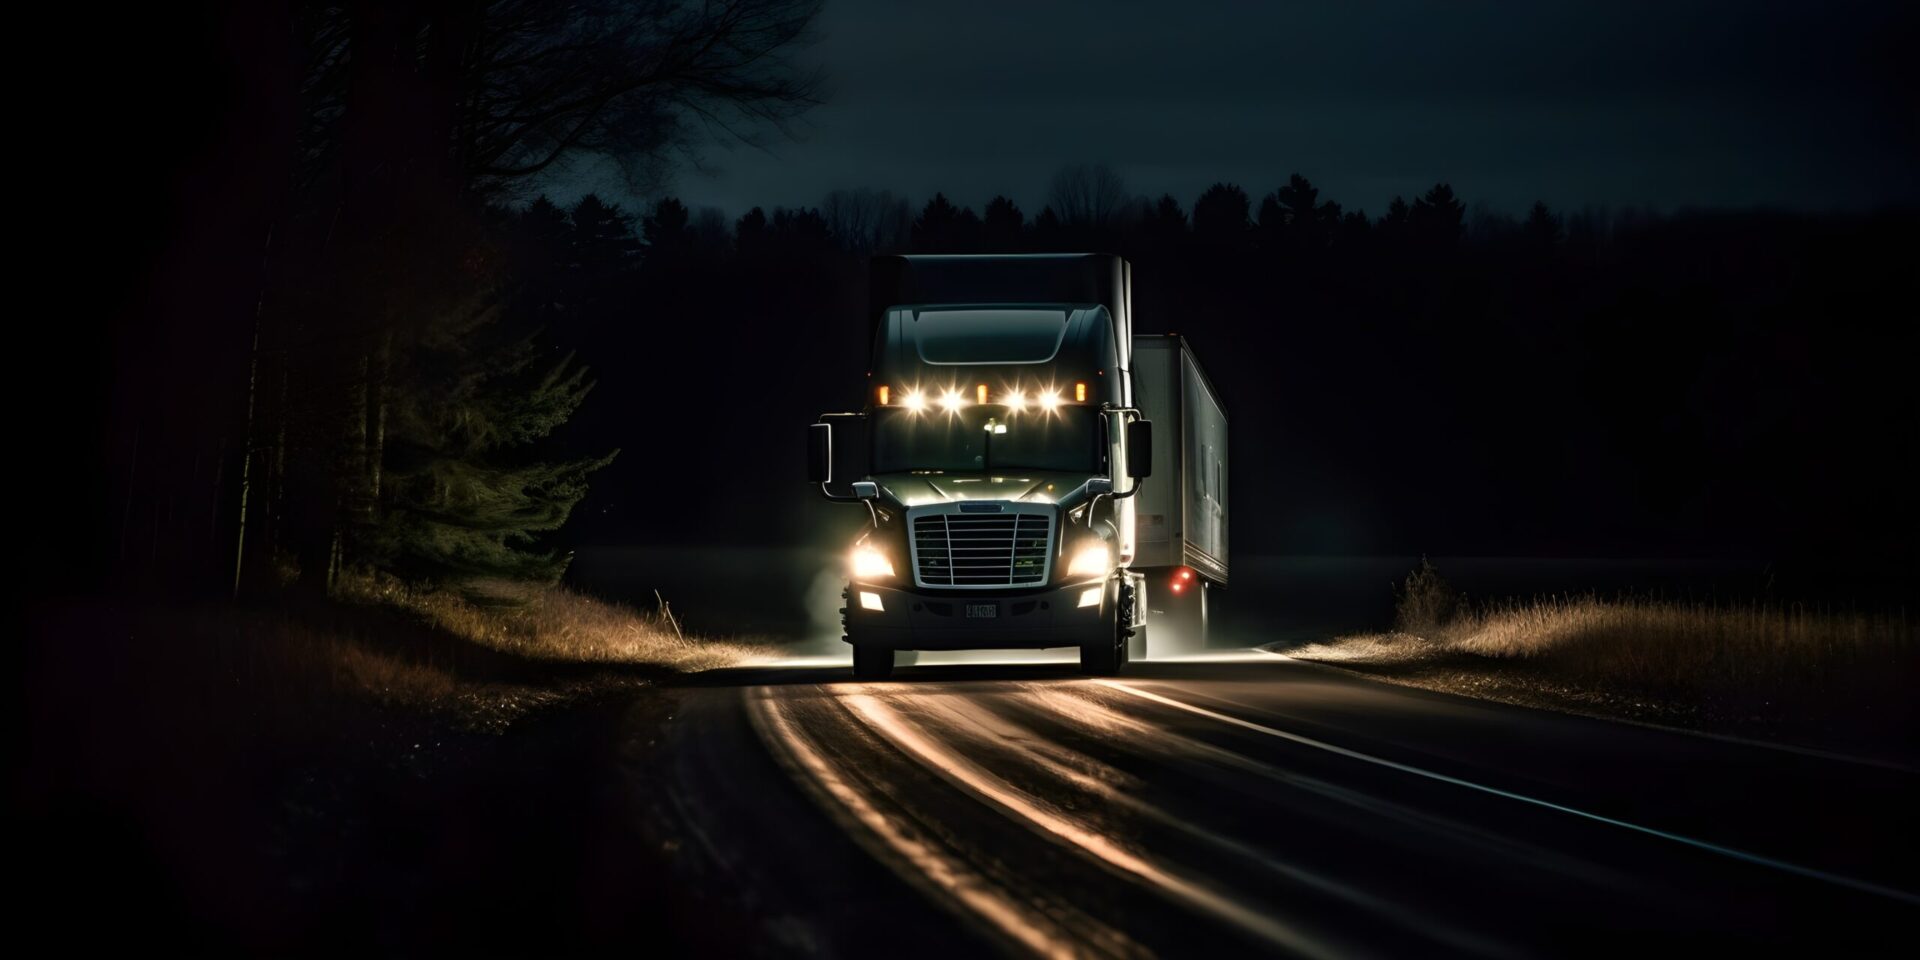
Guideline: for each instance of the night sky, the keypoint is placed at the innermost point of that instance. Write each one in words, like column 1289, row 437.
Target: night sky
column 1795, row 105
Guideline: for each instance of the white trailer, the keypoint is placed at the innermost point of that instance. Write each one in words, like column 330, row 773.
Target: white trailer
column 1180, row 516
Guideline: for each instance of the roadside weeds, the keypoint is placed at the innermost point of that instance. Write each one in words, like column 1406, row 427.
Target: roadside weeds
column 1835, row 680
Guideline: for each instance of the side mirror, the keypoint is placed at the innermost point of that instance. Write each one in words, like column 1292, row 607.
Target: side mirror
column 1140, row 449
column 866, row 490
column 820, row 453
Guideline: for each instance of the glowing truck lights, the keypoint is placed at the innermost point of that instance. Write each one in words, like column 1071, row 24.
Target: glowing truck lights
column 953, row 398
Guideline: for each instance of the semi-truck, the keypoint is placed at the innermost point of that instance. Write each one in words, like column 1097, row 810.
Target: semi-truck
column 1035, row 474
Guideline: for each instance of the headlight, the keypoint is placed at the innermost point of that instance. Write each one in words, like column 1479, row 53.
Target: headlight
column 1093, row 560
column 868, row 563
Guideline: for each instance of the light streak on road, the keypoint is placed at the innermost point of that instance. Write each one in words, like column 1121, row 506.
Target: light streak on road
column 974, row 779
column 943, row 872
column 1852, row 883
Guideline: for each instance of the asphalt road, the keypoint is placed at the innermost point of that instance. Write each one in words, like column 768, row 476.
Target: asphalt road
column 1255, row 804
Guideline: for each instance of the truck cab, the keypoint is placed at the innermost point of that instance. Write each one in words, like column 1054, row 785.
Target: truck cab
column 999, row 454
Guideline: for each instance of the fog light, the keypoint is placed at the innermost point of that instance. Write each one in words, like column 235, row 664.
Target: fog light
column 1090, row 597
column 870, row 601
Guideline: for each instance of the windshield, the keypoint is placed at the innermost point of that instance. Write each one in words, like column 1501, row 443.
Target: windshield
column 1067, row 440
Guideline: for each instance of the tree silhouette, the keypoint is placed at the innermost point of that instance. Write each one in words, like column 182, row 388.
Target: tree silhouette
column 1002, row 225
column 1087, row 195
column 1048, row 231
column 481, row 94
column 945, row 227
column 544, row 229
column 1294, row 213
column 1438, row 216
column 1271, row 220
column 712, row 232
column 668, row 232
column 750, row 233
column 603, row 234
column 864, row 220
column 1220, row 215
column 799, row 228
column 1542, row 228
column 1395, row 222
column 1168, row 223
column 1354, row 225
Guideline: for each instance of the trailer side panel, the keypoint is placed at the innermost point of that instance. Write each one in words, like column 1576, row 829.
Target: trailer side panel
column 1157, row 513
column 1203, row 437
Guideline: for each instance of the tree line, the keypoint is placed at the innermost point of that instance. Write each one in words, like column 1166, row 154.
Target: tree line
column 1441, row 376
column 1088, row 204
column 365, row 351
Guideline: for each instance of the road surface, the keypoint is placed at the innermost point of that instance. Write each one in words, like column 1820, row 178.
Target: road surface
column 1255, row 804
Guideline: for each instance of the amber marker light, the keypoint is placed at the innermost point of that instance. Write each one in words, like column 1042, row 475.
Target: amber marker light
column 886, row 393
column 1080, row 392
column 980, row 394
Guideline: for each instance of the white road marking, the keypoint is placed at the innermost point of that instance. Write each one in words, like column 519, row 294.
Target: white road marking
column 970, row 777
column 1793, row 748
column 946, row 874
column 1107, row 720
column 1852, row 883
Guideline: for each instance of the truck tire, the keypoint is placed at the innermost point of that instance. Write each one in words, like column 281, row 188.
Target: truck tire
column 1107, row 655
column 872, row 663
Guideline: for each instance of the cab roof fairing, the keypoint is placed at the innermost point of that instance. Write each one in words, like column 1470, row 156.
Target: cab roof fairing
column 1086, row 351
column 1007, row 278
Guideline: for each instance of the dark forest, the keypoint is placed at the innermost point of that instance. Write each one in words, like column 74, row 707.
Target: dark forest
column 421, row 556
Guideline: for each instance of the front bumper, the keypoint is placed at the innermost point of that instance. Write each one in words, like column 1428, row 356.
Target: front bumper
column 1024, row 620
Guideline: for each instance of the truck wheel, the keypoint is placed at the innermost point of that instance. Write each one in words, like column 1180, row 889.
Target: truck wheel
column 872, row 663
column 1108, row 654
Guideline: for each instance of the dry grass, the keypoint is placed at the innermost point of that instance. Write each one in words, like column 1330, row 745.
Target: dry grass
column 1756, row 665
column 553, row 624
column 1642, row 642
column 482, row 659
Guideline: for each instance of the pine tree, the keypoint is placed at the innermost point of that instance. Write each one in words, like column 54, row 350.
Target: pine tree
column 1002, row 225
column 1220, row 215
column 666, row 229
column 1542, row 228
column 469, row 492
column 939, row 224
column 1438, row 216
column 1169, row 221
column 750, row 233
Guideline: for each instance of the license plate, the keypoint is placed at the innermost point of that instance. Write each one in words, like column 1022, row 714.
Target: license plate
column 983, row 610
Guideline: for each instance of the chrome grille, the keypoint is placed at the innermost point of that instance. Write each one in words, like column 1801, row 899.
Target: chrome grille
column 1006, row 549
